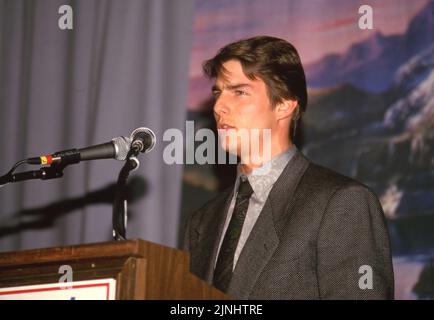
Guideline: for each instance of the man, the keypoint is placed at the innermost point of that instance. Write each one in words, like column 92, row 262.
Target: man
column 301, row 231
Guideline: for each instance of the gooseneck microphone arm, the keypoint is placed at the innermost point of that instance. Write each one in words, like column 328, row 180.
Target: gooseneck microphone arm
column 120, row 204
column 142, row 140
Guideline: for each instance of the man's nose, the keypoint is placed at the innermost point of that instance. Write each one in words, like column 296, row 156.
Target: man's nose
column 221, row 107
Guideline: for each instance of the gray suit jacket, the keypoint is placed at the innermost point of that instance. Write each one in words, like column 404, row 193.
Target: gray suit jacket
column 315, row 232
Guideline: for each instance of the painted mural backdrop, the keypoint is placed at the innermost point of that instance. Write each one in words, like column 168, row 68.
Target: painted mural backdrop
column 370, row 113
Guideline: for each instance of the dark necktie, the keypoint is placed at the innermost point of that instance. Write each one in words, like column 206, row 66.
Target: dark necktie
column 225, row 260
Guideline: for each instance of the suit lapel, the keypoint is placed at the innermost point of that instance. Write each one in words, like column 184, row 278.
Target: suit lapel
column 209, row 234
column 282, row 195
column 264, row 237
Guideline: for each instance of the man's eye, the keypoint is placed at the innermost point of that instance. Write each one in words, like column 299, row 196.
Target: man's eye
column 240, row 92
column 216, row 93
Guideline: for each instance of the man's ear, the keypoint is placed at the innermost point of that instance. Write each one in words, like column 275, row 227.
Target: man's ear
column 285, row 109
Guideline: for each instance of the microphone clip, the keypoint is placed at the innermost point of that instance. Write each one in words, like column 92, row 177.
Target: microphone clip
column 52, row 171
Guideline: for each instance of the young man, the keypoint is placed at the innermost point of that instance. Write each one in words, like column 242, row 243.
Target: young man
column 301, row 231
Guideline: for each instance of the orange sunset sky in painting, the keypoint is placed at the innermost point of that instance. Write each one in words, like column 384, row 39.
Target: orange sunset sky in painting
column 315, row 27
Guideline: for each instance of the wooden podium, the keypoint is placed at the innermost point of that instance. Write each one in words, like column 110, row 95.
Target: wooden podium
column 142, row 270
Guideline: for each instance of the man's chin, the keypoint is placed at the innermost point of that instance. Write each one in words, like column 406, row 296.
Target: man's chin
column 233, row 150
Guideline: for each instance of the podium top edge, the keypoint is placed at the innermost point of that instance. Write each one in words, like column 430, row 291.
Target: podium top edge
column 113, row 249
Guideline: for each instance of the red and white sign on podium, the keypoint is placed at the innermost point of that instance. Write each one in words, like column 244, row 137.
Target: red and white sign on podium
column 103, row 289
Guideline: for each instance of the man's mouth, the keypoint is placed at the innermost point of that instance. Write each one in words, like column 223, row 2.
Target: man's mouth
column 225, row 126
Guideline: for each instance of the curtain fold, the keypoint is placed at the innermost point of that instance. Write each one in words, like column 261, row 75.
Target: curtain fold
column 123, row 65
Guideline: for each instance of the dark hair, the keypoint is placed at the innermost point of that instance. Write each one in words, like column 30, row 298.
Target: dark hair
column 273, row 60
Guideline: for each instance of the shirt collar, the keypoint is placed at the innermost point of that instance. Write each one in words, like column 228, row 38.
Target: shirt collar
column 263, row 178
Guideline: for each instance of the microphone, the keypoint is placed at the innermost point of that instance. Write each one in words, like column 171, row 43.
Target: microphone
column 142, row 140
column 117, row 148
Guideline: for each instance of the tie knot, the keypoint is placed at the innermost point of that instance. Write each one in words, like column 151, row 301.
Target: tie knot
column 245, row 189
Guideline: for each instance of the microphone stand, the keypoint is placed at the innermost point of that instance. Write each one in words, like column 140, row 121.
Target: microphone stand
column 120, row 210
